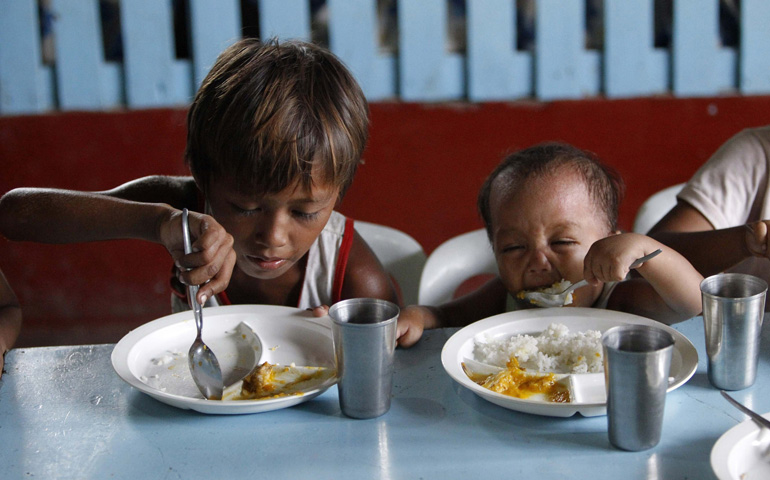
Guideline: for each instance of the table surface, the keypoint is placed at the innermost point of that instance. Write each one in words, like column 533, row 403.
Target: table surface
column 64, row 413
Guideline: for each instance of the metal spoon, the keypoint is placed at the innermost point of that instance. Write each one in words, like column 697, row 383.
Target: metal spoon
column 543, row 299
column 758, row 419
column 204, row 365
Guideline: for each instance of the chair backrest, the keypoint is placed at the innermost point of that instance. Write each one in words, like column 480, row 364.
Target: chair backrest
column 452, row 263
column 655, row 208
column 401, row 255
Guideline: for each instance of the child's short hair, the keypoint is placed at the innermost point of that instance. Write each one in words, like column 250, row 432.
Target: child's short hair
column 604, row 184
column 269, row 113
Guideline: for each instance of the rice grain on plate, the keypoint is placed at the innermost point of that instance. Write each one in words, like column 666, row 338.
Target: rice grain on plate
column 556, row 350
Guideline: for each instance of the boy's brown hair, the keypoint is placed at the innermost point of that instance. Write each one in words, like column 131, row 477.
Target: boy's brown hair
column 270, row 113
column 604, row 184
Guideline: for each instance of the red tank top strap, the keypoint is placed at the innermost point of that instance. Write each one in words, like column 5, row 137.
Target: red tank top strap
column 342, row 259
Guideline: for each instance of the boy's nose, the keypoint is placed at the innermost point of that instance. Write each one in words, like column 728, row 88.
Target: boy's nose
column 272, row 232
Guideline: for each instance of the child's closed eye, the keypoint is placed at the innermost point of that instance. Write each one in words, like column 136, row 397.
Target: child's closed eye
column 512, row 248
column 563, row 242
column 306, row 216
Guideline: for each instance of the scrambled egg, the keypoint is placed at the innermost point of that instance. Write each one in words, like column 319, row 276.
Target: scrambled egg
column 514, row 381
column 557, row 287
column 274, row 381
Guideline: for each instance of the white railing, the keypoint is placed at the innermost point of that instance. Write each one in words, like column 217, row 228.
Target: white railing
column 421, row 67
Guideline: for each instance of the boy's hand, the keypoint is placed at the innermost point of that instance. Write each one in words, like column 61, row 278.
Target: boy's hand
column 609, row 259
column 213, row 259
column 757, row 238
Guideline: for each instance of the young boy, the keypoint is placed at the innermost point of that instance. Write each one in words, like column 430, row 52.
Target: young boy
column 551, row 213
column 275, row 135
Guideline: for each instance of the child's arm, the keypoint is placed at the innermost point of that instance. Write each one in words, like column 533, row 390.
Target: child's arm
column 65, row 216
column 687, row 231
column 484, row 302
column 10, row 319
column 670, row 288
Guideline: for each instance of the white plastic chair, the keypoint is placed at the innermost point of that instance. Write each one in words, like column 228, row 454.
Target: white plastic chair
column 655, row 208
column 452, row 263
column 402, row 256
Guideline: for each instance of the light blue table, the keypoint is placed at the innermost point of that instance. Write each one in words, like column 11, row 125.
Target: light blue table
column 64, row 413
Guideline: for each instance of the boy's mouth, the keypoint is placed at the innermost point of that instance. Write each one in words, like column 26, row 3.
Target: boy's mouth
column 263, row 263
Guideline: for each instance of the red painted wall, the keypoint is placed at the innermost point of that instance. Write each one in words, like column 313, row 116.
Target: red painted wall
column 424, row 165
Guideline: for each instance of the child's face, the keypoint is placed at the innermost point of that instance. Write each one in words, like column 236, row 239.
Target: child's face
column 271, row 231
column 542, row 231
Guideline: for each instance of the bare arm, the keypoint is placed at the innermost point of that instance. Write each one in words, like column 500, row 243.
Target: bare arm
column 669, row 290
column 365, row 276
column 710, row 251
column 484, row 302
column 10, row 319
column 126, row 212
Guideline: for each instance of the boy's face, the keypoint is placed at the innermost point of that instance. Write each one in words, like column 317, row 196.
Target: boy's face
column 542, row 230
column 271, row 231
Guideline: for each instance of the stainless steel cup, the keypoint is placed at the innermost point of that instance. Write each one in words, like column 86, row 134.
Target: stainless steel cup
column 733, row 309
column 364, row 332
column 637, row 359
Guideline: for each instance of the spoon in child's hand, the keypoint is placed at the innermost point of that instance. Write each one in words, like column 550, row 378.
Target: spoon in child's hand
column 204, row 365
column 559, row 299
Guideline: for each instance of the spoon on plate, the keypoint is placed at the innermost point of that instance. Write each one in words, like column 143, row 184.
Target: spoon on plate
column 758, row 419
column 559, row 299
column 204, row 365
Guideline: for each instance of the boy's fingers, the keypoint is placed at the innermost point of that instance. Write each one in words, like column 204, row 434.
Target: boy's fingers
column 220, row 281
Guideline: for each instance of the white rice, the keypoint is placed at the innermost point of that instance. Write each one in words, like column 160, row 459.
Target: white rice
column 556, row 350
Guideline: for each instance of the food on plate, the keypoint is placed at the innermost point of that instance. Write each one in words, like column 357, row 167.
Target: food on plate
column 556, row 350
column 516, row 382
column 268, row 381
column 535, row 366
column 557, row 287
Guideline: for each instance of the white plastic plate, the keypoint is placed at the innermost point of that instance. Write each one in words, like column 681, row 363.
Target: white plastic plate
column 153, row 357
column 742, row 453
column 591, row 400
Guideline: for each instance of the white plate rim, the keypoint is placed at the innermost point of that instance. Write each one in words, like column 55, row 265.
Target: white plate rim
column 122, row 351
column 720, row 452
column 451, row 362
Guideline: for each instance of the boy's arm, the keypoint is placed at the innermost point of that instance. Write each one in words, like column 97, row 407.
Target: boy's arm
column 670, row 288
column 687, row 231
column 65, row 216
column 10, row 319
column 365, row 276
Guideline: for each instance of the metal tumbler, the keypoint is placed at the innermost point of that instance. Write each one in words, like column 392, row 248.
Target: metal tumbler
column 733, row 310
column 637, row 359
column 364, row 331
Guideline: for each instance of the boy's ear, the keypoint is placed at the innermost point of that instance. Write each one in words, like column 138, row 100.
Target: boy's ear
column 617, row 232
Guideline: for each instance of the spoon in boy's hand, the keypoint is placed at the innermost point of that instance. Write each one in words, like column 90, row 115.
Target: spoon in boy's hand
column 204, row 365
column 559, row 299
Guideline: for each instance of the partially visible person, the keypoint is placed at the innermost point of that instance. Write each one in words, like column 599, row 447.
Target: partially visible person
column 10, row 319
column 722, row 217
column 551, row 214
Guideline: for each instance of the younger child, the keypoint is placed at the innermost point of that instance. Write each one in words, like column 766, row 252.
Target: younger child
column 275, row 135
column 551, row 213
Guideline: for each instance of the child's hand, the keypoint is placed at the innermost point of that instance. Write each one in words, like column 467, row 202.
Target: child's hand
column 320, row 311
column 609, row 259
column 410, row 326
column 213, row 258
column 757, row 238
